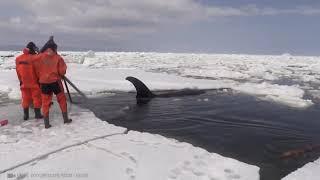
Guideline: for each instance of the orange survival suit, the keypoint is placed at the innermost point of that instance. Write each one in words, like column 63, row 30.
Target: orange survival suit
column 29, row 83
column 51, row 68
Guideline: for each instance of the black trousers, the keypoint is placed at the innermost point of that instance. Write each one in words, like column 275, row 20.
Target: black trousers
column 50, row 88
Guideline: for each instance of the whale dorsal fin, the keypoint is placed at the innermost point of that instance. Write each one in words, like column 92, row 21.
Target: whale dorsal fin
column 142, row 90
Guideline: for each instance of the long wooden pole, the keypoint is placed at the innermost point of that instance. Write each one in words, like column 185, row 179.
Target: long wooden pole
column 66, row 85
column 74, row 87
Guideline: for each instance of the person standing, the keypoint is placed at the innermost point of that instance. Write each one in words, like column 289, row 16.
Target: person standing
column 29, row 83
column 50, row 69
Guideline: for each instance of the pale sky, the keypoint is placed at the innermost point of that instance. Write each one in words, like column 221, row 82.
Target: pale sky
column 211, row 26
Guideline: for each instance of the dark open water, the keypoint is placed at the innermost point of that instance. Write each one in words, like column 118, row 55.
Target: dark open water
column 233, row 125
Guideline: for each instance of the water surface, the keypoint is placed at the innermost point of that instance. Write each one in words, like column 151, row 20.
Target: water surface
column 231, row 124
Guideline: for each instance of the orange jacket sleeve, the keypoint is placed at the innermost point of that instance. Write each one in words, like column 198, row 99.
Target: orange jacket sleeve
column 62, row 67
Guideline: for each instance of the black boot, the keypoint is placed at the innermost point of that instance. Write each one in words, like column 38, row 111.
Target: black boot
column 66, row 119
column 46, row 123
column 25, row 114
column 37, row 113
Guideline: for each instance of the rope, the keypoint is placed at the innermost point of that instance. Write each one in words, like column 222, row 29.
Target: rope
column 60, row 149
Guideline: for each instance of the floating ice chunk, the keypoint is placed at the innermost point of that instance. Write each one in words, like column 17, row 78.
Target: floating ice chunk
column 90, row 54
column 308, row 172
column 288, row 95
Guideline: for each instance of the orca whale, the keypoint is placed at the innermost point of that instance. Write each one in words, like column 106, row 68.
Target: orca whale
column 144, row 94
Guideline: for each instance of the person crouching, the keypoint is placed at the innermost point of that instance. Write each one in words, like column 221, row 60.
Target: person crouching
column 29, row 85
column 50, row 70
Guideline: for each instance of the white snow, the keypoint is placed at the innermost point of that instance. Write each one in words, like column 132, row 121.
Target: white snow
column 309, row 172
column 9, row 84
column 59, row 152
column 21, row 141
column 256, row 75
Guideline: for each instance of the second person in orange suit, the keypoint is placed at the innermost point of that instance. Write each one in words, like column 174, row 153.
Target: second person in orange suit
column 50, row 70
column 29, row 83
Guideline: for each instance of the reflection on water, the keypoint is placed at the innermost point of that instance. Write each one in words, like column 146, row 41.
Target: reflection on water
column 233, row 125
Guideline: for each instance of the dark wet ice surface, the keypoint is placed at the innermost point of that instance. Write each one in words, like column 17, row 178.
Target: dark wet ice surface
column 231, row 124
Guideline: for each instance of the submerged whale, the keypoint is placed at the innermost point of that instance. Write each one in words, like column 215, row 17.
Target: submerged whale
column 144, row 94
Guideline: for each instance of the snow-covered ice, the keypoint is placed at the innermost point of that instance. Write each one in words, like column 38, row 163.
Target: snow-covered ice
column 140, row 156
column 76, row 150
column 288, row 95
column 308, row 172
column 21, row 141
column 252, row 74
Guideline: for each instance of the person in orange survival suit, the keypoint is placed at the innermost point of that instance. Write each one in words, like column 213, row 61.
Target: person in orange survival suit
column 29, row 85
column 51, row 68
